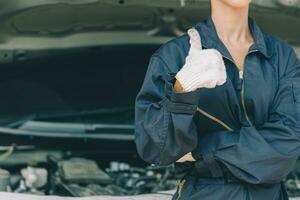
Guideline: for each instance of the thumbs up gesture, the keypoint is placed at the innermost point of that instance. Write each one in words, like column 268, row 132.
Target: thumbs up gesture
column 203, row 68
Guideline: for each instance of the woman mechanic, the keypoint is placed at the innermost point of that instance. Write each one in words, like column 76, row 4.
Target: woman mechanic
column 222, row 102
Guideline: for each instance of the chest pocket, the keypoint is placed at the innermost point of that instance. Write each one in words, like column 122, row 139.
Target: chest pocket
column 221, row 104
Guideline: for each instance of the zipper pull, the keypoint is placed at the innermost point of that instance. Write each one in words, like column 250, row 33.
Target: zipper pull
column 240, row 81
column 241, row 74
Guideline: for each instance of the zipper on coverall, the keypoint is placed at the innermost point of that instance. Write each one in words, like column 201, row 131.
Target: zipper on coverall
column 241, row 77
column 242, row 86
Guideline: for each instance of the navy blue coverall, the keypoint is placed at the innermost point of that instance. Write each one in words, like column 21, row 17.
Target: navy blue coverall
column 263, row 110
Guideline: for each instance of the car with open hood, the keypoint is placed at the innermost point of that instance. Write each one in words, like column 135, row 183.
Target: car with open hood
column 69, row 73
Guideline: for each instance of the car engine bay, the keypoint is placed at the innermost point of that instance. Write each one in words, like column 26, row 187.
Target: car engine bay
column 81, row 177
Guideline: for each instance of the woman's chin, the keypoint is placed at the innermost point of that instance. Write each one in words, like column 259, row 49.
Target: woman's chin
column 237, row 3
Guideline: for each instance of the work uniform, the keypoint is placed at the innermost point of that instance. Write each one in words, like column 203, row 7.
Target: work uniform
column 260, row 108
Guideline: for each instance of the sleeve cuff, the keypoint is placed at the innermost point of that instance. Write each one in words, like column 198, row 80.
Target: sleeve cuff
column 212, row 164
column 185, row 102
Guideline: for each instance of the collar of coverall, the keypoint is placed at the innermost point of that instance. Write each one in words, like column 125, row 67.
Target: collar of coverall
column 210, row 39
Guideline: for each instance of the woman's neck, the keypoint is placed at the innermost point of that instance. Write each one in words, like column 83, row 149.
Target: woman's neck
column 231, row 23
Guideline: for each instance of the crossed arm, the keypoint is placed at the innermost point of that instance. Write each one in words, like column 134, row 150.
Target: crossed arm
column 165, row 130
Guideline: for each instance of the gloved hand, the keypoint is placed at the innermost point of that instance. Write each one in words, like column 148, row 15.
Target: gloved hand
column 202, row 68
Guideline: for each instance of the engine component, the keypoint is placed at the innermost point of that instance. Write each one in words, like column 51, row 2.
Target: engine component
column 118, row 166
column 77, row 190
column 82, row 171
column 292, row 184
column 142, row 180
column 34, row 177
column 4, row 180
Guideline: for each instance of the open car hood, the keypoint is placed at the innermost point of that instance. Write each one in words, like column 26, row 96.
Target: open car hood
column 33, row 24
column 37, row 33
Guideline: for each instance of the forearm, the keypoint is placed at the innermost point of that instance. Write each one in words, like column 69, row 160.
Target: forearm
column 178, row 87
column 164, row 126
column 255, row 156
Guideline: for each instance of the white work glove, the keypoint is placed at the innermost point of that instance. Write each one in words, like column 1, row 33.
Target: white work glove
column 202, row 68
